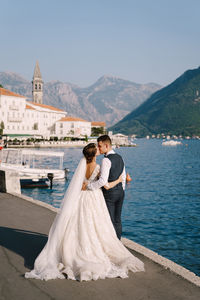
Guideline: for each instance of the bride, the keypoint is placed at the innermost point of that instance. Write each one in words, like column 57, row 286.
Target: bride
column 82, row 243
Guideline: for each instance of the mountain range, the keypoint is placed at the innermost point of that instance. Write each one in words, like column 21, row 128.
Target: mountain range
column 109, row 99
column 174, row 109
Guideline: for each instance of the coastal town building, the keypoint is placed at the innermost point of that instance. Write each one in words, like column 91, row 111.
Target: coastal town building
column 98, row 125
column 119, row 139
column 43, row 118
column 72, row 127
column 12, row 108
column 27, row 118
column 22, row 117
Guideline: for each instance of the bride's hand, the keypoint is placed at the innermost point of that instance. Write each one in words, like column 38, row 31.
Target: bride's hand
column 84, row 186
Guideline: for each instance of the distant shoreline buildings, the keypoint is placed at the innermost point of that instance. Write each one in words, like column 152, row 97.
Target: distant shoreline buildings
column 20, row 117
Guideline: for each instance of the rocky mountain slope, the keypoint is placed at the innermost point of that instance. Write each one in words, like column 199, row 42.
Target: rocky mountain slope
column 109, row 99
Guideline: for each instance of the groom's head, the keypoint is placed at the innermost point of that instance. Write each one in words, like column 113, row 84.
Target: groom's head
column 104, row 144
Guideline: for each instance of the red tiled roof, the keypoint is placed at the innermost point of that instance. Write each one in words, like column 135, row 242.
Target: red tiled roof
column 29, row 107
column 46, row 106
column 67, row 119
column 9, row 93
column 102, row 124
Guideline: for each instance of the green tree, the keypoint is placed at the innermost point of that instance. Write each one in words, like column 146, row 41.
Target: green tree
column 1, row 127
column 1, row 86
column 96, row 131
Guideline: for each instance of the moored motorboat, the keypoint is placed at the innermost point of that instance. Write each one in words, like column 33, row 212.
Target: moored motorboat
column 27, row 182
column 24, row 162
column 171, row 143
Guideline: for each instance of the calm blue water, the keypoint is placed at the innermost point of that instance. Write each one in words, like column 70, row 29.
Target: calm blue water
column 162, row 203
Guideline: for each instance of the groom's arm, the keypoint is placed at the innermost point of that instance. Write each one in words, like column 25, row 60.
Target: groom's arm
column 104, row 173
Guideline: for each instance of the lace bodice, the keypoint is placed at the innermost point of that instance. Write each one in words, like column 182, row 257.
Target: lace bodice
column 94, row 175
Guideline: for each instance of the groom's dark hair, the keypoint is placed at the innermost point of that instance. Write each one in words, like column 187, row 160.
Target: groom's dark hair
column 104, row 139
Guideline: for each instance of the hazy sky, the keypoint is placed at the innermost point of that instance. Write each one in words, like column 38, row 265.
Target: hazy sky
column 78, row 41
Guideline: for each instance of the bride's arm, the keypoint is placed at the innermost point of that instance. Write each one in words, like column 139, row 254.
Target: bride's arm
column 111, row 184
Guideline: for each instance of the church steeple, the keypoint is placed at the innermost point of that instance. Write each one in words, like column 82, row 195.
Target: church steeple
column 37, row 85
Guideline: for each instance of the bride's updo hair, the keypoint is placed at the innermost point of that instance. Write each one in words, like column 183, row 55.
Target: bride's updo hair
column 89, row 152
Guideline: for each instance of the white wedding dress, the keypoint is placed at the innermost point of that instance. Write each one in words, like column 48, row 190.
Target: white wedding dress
column 82, row 241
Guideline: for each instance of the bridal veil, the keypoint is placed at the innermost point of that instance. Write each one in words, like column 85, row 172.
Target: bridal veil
column 47, row 263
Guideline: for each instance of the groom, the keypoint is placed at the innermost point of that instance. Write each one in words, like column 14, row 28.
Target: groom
column 111, row 168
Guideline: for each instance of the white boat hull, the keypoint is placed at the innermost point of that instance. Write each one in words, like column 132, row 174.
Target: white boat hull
column 33, row 172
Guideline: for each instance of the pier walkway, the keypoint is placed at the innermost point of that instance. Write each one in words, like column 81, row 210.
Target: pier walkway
column 23, row 233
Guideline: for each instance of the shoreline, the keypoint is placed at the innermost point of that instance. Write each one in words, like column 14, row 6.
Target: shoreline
column 50, row 145
column 153, row 256
column 75, row 145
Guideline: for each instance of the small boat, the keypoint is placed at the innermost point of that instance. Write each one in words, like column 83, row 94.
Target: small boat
column 133, row 144
column 24, row 161
column 27, row 182
column 171, row 143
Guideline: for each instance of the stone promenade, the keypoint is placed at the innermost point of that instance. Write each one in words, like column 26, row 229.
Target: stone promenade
column 23, row 233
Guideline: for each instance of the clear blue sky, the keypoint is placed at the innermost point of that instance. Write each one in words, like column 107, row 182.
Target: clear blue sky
column 78, row 41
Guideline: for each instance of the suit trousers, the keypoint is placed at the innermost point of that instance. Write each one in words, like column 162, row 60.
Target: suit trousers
column 114, row 201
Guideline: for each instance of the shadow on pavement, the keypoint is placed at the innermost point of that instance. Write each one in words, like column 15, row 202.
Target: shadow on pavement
column 28, row 244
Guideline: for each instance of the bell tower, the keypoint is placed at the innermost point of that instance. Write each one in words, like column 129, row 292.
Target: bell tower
column 37, row 85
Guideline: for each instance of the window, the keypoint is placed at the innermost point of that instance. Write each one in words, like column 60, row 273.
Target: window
column 35, row 126
column 36, row 86
column 39, row 86
column 61, row 125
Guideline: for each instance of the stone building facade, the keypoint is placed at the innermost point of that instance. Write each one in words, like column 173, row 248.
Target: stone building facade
column 72, row 127
column 22, row 117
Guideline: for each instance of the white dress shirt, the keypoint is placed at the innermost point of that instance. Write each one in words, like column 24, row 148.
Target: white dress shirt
column 104, row 174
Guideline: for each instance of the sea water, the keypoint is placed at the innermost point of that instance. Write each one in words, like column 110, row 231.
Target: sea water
column 161, row 209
